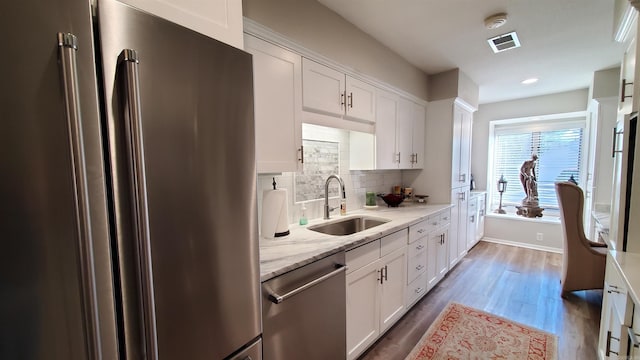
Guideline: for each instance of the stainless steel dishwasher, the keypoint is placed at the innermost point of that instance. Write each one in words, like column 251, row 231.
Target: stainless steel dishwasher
column 304, row 312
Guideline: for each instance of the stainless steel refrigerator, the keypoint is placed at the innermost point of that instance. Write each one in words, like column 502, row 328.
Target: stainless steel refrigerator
column 128, row 223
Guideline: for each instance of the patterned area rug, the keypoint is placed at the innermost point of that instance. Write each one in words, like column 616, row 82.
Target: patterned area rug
column 461, row 332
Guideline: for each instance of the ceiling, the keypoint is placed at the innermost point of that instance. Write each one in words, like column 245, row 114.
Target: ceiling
column 563, row 41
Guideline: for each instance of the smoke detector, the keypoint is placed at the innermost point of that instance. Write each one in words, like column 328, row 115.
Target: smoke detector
column 495, row 21
column 504, row 42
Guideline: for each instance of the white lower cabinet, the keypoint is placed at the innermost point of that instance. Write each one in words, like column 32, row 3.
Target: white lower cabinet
column 376, row 280
column 617, row 316
column 387, row 276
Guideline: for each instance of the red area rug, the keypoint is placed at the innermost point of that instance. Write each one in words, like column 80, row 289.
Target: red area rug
column 461, row 332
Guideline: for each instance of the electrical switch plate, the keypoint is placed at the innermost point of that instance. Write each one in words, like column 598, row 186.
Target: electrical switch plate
column 539, row 236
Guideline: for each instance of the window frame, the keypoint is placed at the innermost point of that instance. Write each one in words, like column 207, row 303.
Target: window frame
column 532, row 124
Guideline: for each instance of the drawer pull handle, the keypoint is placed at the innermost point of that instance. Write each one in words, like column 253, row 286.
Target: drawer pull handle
column 614, row 291
column 420, row 247
column 419, row 290
column 419, row 267
column 277, row 299
column 421, row 231
column 634, row 338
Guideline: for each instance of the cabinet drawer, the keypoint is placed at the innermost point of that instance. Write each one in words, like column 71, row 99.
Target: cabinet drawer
column 417, row 246
column 416, row 266
column 419, row 230
column 393, row 241
column 445, row 217
column 362, row 255
column 416, row 289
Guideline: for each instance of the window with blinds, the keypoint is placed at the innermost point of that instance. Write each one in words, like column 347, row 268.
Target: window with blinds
column 559, row 147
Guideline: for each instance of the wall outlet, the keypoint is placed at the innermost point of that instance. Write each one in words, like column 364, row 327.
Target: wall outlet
column 539, row 236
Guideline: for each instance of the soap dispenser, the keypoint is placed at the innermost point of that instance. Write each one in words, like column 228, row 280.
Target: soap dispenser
column 303, row 215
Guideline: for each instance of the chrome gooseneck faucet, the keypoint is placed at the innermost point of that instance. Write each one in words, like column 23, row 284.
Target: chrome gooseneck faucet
column 326, row 193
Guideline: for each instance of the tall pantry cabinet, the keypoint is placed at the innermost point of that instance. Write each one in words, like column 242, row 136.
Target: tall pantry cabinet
column 448, row 139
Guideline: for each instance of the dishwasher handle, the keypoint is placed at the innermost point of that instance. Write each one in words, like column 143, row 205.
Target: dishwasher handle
column 277, row 299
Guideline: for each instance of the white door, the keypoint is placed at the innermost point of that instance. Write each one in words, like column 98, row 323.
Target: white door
column 218, row 19
column 465, row 148
column 434, row 245
column 419, row 119
column 277, row 106
column 392, row 301
column 472, row 224
column 455, row 231
column 361, row 100
column 456, row 147
column 322, row 88
column 442, row 253
column 386, row 114
column 404, row 133
column 363, row 308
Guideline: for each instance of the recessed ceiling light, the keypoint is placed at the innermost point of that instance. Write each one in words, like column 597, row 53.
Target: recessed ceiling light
column 529, row 81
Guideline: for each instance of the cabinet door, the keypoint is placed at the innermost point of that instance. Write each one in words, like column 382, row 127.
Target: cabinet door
column 443, row 266
column 481, row 215
column 433, row 268
column 458, row 228
column 392, row 301
column 461, row 147
column 363, row 305
column 419, row 119
column 219, row 19
column 404, row 133
column 322, row 88
column 472, row 216
column 361, row 100
column 627, row 75
column 278, row 110
column 386, row 115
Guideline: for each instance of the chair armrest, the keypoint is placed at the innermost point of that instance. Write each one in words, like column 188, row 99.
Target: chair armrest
column 596, row 244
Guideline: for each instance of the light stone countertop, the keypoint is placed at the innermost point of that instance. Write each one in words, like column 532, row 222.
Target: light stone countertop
column 629, row 266
column 303, row 246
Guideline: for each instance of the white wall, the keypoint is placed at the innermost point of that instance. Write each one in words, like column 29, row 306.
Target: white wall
column 319, row 29
column 508, row 229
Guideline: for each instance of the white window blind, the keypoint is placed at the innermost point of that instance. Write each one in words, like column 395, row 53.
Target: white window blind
column 559, row 148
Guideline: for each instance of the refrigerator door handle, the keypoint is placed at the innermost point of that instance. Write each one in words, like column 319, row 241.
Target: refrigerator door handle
column 67, row 46
column 135, row 150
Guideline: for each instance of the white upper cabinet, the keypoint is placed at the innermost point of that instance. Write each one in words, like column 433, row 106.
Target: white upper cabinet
column 400, row 128
column 419, row 119
column 322, row 88
column 277, row 106
column 331, row 92
column 386, row 117
column 461, row 149
column 404, row 134
column 361, row 99
column 219, row 19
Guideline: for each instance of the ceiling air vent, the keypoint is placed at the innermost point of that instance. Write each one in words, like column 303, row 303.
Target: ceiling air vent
column 504, row 42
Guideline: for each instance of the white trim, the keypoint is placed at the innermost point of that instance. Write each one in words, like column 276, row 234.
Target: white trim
column 465, row 105
column 548, row 117
column 514, row 217
column 630, row 14
column 522, row 245
column 260, row 31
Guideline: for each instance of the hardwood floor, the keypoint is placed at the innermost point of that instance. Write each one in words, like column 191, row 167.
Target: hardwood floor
column 520, row 284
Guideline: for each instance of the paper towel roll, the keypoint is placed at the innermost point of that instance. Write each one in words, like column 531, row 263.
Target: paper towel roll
column 275, row 213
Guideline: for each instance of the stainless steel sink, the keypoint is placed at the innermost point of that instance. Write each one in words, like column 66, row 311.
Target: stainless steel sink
column 348, row 226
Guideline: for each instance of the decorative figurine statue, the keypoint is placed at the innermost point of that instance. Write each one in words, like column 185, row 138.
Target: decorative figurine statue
column 528, row 179
column 529, row 182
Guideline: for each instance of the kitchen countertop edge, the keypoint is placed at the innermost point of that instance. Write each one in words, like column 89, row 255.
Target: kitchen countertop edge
column 303, row 246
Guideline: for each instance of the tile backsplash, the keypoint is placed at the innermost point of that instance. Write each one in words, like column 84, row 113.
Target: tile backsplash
column 357, row 183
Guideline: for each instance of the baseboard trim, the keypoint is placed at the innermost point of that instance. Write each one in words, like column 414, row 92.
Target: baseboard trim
column 522, row 245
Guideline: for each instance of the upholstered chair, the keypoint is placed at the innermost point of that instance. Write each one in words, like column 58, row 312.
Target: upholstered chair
column 583, row 260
